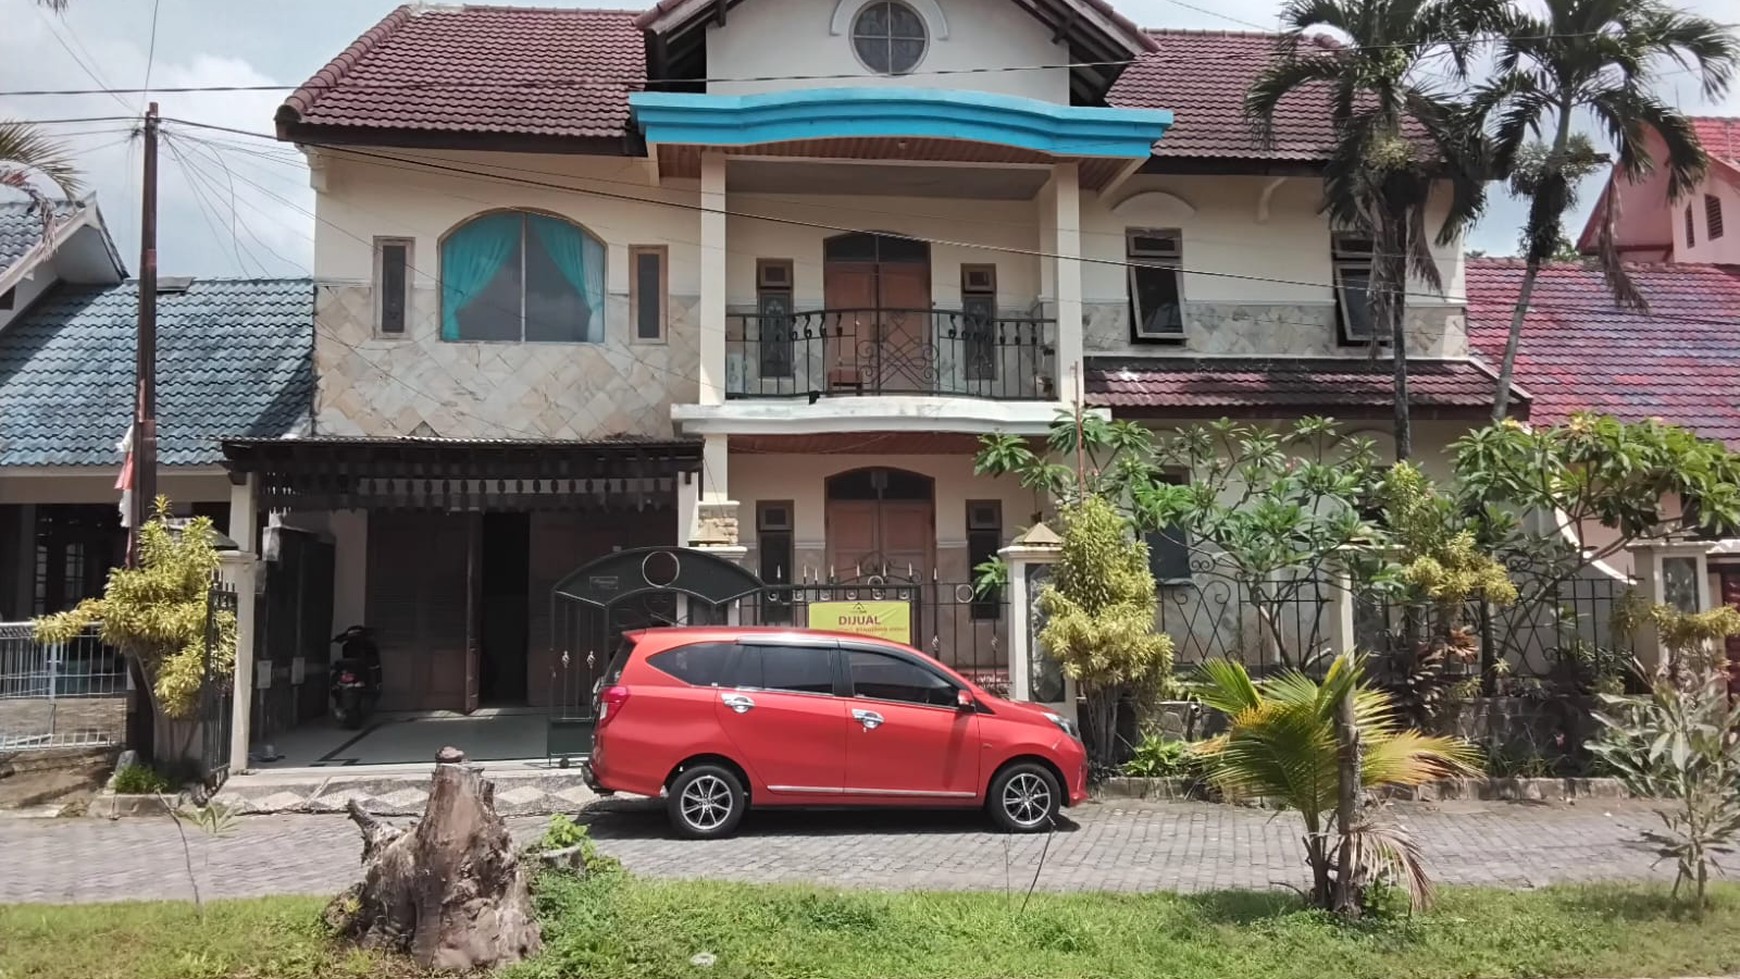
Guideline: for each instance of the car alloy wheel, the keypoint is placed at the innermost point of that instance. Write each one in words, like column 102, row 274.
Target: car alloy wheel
column 1027, row 800
column 706, row 803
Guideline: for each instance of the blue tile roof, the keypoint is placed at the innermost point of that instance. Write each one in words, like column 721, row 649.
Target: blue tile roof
column 20, row 230
column 234, row 358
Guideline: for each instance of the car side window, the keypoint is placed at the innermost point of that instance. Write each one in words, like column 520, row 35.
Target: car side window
column 698, row 664
column 798, row 669
column 881, row 676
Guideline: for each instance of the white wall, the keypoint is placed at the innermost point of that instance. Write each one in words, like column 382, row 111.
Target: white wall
column 97, row 485
column 1284, row 258
column 1722, row 251
column 27, row 292
column 793, row 37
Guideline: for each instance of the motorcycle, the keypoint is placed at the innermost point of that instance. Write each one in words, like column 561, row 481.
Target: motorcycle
column 356, row 676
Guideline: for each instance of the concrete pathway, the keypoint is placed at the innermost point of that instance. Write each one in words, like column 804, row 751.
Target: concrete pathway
column 1131, row 846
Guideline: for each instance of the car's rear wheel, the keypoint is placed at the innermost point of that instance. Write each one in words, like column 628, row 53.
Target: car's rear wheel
column 1024, row 798
column 706, row 802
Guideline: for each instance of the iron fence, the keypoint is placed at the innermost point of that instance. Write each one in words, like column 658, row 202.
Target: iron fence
column 1267, row 624
column 216, row 687
column 60, row 694
column 843, row 352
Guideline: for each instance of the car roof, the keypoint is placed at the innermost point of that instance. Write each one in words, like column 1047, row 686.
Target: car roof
column 669, row 635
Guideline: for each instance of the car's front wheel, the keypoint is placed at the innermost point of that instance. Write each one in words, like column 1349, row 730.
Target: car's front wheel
column 706, row 802
column 1024, row 798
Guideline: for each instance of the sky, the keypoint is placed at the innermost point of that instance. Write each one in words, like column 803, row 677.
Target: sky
column 237, row 205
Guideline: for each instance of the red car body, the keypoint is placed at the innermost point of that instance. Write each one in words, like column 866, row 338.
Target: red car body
column 856, row 736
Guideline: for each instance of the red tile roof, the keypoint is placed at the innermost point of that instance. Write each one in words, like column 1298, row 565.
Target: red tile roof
column 1719, row 135
column 516, row 70
column 1285, row 385
column 1680, row 362
column 1202, row 76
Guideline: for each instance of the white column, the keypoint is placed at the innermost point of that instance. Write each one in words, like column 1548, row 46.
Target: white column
column 241, row 568
column 712, row 312
column 1036, row 547
column 1065, row 178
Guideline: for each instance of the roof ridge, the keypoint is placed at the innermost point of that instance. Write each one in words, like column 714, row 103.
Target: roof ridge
column 1208, row 32
column 418, row 9
column 328, row 77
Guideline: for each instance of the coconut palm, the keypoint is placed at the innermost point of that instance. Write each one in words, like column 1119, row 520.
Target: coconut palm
column 1600, row 58
column 1398, row 135
column 25, row 153
column 1282, row 746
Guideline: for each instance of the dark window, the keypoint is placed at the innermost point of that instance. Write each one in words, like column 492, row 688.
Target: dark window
column 882, row 676
column 1712, row 216
column 1691, row 236
column 979, row 329
column 394, row 283
column 516, row 276
column 699, row 665
column 1352, row 258
column 648, row 297
column 773, row 539
column 1156, row 295
column 889, row 37
column 984, row 537
column 800, row 669
column 1169, row 547
column 8, row 297
column 774, row 328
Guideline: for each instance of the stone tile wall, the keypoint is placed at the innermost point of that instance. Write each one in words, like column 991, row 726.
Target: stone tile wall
column 1264, row 329
column 418, row 384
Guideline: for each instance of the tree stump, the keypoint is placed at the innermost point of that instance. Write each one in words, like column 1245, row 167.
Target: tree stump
column 450, row 891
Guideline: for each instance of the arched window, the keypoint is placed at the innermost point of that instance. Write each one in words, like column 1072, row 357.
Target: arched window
column 514, row 275
column 889, row 37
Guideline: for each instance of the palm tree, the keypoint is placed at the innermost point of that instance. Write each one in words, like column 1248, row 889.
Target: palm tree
column 1398, row 135
column 26, row 152
column 1282, row 746
column 1598, row 57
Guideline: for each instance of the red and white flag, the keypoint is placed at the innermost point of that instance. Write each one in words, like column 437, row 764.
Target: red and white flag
column 124, row 482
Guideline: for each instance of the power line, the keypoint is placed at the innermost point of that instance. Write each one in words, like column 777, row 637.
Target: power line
column 150, row 51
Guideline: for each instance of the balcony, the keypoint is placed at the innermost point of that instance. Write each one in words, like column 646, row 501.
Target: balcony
column 835, row 353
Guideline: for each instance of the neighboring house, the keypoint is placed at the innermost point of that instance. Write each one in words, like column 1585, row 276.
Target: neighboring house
column 754, row 276
column 1677, row 363
column 1701, row 226
column 234, row 358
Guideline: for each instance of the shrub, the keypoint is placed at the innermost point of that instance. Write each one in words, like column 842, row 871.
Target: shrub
column 1158, row 756
column 140, row 780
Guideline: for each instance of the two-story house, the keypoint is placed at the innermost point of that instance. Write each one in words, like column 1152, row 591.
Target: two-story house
column 753, row 276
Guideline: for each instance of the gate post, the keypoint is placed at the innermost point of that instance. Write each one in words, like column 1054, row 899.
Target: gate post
column 1029, row 558
column 241, row 568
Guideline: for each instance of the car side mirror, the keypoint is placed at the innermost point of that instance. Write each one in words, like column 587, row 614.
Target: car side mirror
column 964, row 700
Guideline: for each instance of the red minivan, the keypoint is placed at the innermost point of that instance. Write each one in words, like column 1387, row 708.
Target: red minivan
column 721, row 718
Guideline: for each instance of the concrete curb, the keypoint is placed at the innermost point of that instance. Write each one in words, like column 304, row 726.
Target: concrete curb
column 113, row 805
column 1488, row 789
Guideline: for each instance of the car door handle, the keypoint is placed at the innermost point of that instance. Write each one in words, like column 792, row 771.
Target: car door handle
column 869, row 718
column 737, row 702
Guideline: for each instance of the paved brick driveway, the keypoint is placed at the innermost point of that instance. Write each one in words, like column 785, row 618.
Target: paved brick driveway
column 1116, row 846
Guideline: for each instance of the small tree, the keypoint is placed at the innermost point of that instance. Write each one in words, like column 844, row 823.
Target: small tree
column 158, row 613
column 1679, row 742
column 1100, row 611
column 1283, row 746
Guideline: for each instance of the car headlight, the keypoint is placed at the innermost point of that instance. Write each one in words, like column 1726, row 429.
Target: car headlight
column 1064, row 724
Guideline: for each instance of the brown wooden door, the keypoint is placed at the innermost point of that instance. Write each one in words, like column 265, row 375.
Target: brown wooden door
column 417, row 605
column 869, row 537
column 849, row 293
column 903, row 337
column 473, row 609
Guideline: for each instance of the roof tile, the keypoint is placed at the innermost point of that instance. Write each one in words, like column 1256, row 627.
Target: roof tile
column 1195, row 384
column 1680, row 362
column 235, row 357
column 21, row 229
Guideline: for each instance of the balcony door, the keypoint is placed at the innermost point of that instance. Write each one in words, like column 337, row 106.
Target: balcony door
column 877, row 290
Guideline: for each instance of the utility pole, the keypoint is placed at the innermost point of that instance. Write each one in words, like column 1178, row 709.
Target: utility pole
column 145, row 369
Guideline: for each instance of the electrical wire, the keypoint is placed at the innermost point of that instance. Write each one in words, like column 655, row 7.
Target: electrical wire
column 150, row 56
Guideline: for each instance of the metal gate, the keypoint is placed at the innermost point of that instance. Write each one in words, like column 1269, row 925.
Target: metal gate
column 594, row 605
column 216, row 692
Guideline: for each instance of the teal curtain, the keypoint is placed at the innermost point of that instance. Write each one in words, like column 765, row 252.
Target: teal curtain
column 581, row 259
column 470, row 258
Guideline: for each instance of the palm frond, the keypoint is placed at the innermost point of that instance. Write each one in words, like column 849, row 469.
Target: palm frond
column 26, row 151
column 1384, row 852
column 1411, row 758
column 1226, row 686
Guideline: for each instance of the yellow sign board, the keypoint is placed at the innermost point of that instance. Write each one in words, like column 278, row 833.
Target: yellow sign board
column 884, row 620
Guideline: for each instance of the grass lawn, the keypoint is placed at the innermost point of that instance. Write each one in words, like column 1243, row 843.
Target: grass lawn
column 623, row 927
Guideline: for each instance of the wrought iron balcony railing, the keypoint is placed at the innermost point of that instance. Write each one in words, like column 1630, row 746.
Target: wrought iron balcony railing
column 848, row 352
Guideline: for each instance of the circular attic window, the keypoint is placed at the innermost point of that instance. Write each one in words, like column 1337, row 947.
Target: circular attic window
column 889, row 37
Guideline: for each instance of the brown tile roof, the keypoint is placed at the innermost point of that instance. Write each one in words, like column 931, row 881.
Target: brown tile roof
column 508, row 70
column 1202, row 76
column 1196, row 386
